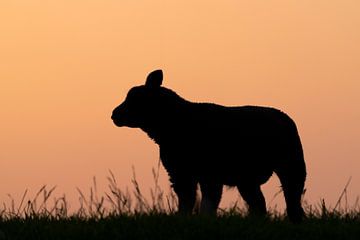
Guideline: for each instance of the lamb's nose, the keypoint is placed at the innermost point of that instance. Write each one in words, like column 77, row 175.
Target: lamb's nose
column 113, row 114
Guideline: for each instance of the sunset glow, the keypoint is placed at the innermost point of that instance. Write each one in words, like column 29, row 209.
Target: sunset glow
column 64, row 65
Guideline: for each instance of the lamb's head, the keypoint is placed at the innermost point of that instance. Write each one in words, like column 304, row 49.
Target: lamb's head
column 142, row 105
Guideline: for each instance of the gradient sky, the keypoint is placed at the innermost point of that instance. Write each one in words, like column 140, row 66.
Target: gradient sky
column 64, row 65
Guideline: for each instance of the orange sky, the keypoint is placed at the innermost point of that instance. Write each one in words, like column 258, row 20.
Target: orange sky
column 64, row 65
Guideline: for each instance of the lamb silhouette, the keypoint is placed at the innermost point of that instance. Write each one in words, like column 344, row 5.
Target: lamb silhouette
column 213, row 145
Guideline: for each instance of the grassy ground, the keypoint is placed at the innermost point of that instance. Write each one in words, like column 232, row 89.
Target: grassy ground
column 161, row 226
column 124, row 215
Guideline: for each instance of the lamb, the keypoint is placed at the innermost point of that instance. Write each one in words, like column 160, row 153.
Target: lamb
column 213, row 145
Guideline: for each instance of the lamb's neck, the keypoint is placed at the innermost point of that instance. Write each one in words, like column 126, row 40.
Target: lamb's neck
column 162, row 129
column 157, row 133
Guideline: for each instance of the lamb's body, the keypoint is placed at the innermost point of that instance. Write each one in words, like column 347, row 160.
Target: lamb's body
column 229, row 145
column 215, row 145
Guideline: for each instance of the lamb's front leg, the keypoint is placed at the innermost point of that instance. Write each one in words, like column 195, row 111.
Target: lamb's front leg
column 186, row 193
column 211, row 196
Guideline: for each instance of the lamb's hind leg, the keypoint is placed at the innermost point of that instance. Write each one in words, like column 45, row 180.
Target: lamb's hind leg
column 211, row 196
column 254, row 198
column 293, row 188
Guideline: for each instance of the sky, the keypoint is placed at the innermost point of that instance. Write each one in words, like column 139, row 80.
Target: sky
column 64, row 66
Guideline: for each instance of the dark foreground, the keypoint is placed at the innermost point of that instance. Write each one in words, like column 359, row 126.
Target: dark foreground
column 159, row 226
column 120, row 215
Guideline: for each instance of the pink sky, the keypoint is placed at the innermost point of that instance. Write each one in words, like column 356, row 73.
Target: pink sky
column 64, row 65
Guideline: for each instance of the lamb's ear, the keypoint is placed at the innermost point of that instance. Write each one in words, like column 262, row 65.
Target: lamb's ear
column 154, row 79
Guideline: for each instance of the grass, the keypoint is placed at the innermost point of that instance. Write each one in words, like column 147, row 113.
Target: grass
column 129, row 215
